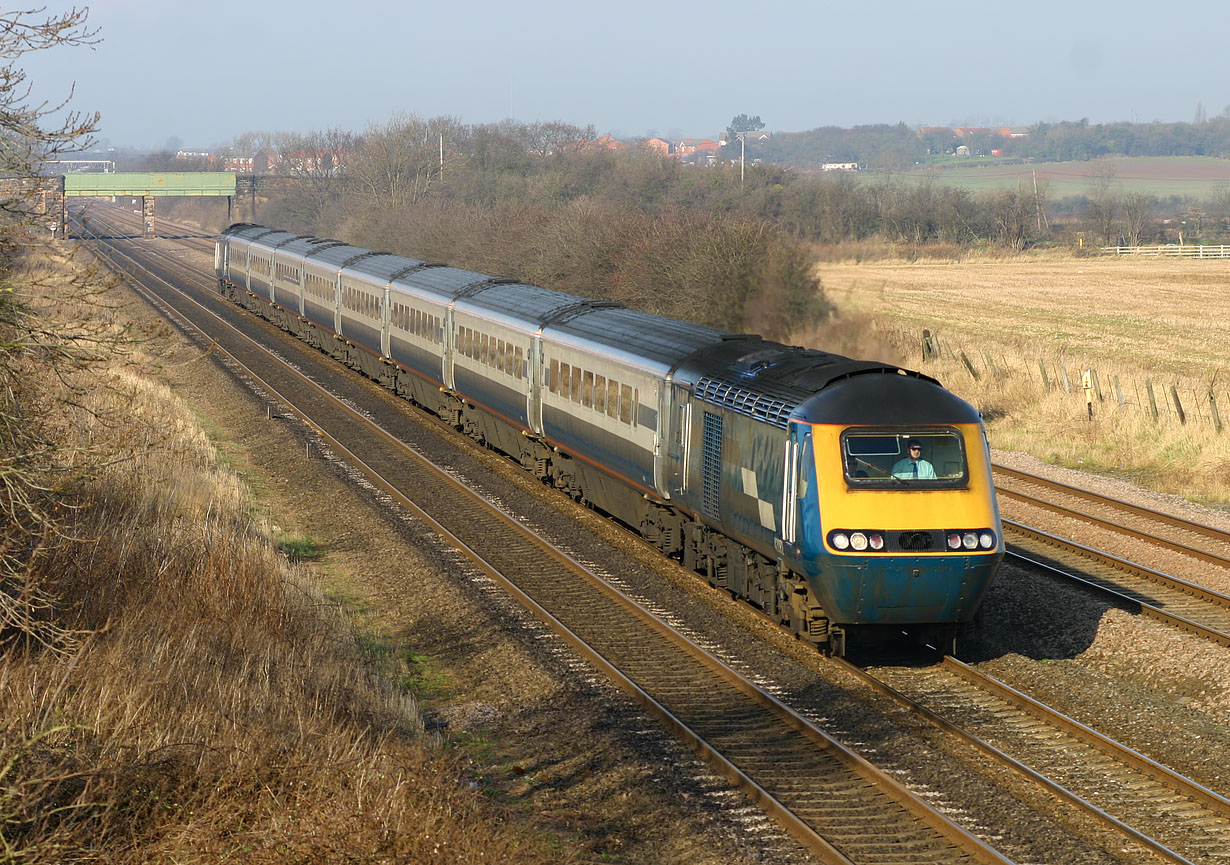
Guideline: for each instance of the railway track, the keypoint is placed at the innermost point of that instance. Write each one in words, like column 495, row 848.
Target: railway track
column 742, row 752
column 1182, row 603
column 1175, row 817
column 833, row 801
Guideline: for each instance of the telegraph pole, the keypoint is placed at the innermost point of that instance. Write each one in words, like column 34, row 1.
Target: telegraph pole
column 742, row 151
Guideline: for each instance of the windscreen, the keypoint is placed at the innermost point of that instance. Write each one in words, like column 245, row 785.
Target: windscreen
column 924, row 458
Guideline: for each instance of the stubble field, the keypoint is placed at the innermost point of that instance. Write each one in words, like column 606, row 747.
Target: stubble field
column 1143, row 325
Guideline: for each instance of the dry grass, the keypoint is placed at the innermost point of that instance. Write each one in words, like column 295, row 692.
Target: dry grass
column 1135, row 320
column 217, row 708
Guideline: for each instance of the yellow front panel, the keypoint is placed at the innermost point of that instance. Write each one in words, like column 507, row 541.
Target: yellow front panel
column 906, row 508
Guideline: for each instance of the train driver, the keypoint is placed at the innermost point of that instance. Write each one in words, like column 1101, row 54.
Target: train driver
column 913, row 465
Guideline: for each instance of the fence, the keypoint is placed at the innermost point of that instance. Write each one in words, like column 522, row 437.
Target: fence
column 1171, row 250
column 1164, row 401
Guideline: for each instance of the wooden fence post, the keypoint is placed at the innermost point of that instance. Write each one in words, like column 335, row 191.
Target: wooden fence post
column 1119, row 392
column 1063, row 374
column 1178, row 406
column 986, row 355
column 1152, row 399
column 1213, row 411
column 1046, row 381
column 965, row 360
column 1097, row 385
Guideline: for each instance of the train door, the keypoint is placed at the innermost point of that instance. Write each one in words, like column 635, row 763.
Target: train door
column 337, row 303
column 800, row 502
column 449, row 344
column 385, row 320
column 535, row 375
column 679, row 420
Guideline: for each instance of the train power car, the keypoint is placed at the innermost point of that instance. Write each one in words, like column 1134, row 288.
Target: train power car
column 839, row 496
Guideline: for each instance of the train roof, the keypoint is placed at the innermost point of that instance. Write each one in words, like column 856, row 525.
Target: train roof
column 336, row 253
column 637, row 338
column 777, row 383
column 266, row 237
column 519, row 304
column 887, row 400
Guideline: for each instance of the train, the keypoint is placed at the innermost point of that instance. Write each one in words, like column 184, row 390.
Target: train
column 844, row 498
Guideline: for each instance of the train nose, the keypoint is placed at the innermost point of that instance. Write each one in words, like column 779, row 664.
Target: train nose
column 910, row 590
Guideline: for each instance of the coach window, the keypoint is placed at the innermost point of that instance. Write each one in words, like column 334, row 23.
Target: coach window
column 565, row 381
column 519, row 366
column 553, row 377
column 587, row 389
column 612, row 398
column 576, row 384
column 626, row 403
column 599, row 393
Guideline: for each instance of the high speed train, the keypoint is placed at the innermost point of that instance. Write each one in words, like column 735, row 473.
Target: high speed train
column 841, row 497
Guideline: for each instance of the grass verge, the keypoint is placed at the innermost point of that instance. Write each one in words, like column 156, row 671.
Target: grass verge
column 207, row 703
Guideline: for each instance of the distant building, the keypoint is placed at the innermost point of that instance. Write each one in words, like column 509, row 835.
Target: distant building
column 697, row 146
column 657, row 145
column 839, row 166
column 605, row 142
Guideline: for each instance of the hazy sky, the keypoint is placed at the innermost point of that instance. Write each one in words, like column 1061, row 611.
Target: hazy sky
column 204, row 72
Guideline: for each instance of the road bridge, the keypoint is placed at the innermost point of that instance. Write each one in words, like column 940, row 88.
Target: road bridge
column 148, row 186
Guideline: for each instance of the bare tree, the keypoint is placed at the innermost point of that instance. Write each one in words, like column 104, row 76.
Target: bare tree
column 1104, row 200
column 554, row 136
column 1137, row 207
column 1011, row 214
column 318, row 161
column 398, row 162
column 34, row 469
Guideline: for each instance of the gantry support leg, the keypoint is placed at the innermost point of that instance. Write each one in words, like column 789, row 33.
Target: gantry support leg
column 147, row 208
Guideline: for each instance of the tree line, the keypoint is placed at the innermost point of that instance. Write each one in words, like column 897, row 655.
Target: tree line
column 887, row 147
column 542, row 203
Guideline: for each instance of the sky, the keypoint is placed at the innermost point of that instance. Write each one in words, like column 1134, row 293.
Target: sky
column 196, row 75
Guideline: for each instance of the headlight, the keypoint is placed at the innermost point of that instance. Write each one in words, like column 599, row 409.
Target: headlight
column 840, row 541
column 986, row 540
column 954, row 541
column 970, row 540
column 858, row 540
column 876, row 542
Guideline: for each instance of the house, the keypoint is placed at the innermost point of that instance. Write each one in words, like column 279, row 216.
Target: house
column 657, row 145
column 697, row 147
column 839, row 166
column 605, row 142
